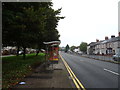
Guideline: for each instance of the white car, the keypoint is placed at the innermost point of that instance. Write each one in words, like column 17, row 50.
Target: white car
column 80, row 53
column 20, row 52
column 116, row 57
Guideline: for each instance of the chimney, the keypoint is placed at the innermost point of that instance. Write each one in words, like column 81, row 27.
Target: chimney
column 97, row 40
column 119, row 34
column 112, row 36
column 106, row 38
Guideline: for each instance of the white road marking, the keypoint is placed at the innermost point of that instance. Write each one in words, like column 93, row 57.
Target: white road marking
column 111, row 71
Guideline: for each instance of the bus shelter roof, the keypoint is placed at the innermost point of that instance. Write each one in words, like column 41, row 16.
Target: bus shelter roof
column 52, row 43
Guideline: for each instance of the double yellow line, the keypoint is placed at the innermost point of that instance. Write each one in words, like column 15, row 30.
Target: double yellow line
column 72, row 75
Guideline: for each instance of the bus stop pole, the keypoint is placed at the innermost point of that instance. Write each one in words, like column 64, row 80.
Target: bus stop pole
column 52, row 56
column 46, row 56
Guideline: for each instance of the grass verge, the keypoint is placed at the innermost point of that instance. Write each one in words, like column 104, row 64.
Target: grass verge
column 14, row 68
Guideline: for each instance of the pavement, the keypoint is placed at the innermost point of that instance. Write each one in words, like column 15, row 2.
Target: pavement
column 107, row 58
column 51, row 77
column 6, row 55
column 98, row 57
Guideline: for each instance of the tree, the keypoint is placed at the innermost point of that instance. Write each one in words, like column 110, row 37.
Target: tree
column 29, row 24
column 83, row 47
column 67, row 48
column 72, row 48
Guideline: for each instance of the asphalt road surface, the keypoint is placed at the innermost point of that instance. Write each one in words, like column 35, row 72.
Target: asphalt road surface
column 93, row 73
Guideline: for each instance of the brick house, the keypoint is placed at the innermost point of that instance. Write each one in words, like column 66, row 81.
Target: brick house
column 105, row 47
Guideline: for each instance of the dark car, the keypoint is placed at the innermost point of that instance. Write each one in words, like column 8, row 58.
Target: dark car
column 116, row 57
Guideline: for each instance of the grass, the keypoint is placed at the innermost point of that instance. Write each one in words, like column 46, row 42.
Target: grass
column 14, row 68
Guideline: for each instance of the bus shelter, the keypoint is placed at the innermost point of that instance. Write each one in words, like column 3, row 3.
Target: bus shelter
column 52, row 51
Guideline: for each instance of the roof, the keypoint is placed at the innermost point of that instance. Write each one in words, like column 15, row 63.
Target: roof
column 91, row 44
column 111, row 40
column 105, row 41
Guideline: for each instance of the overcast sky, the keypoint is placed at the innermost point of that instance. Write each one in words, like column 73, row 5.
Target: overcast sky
column 86, row 20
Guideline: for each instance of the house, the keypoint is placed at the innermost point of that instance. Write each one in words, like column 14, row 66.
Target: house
column 105, row 47
column 91, row 48
column 8, row 50
column 76, row 50
column 111, row 45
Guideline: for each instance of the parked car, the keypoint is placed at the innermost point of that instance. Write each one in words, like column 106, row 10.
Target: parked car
column 116, row 57
column 5, row 52
column 20, row 52
column 80, row 53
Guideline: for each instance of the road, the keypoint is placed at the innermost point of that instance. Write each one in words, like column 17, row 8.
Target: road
column 93, row 73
